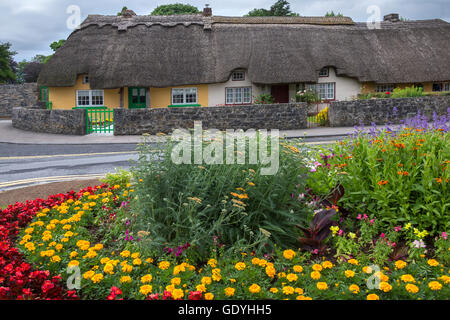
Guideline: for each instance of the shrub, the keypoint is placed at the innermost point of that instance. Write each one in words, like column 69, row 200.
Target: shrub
column 407, row 92
column 231, row 205
column 308, row 96
column 264, row 98
column 120, row 177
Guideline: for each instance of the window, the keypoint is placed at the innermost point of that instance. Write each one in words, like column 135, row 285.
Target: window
column 85, row 79
column 323, row 72
column 441, row 86
column 384, row 88
column 239, row 95
column 184, row 96
column 87, row 98
column 238, row 76
column 447, row 86
column 325, row 91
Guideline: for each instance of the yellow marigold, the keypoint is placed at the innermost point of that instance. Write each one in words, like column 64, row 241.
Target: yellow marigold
column 163, row 265
column 289, row 254
column 298, row 268
column 125, row 253
column 178, row 294
column 411, row 288
column 125, row 279
column 385, row 287
column 327, row 265
column 301, row 297
column 127, row 268
column 315, row 275
column 135, row 255
column 298, row 290
column 109, row 268
column 147, row 278
column 229, row 292
column 201, row 287
column 254, row 288
column 98, row 247
column 96, row 278
column 55, row 259
column 137, row 262
column 212, row 263
column 353, row 261
column 88, row 274
column 433, row 262
column 400, row 264
column 292, row 277
column 146, row 289
column 435, row 285
column 322, row 285
column 240, row 266
column 255, row 261
column 407, row 278
column 349, row 273
column 445, row 279
column 90, row 254
column 287, row 290
column 73, row 263
column 373, row 296
column 273, row 290
column 206, row 280
column 317, row 267
column 175, row 281
column 353, row 288
column 262, row 262
column 104, row 260
column 209, row 296
column 270, row 271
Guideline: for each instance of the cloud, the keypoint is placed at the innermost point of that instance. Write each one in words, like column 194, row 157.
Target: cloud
column 31, row 25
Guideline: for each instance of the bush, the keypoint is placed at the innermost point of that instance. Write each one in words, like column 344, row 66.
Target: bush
column 265, row 98
column 308, row 96
column 121, row 177
column 407, row 92
column 231, row 205
column 399, row 177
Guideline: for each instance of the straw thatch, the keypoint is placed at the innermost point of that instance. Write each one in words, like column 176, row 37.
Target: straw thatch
column 160, row 51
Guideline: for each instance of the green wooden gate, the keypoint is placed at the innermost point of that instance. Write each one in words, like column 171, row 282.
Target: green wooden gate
column 45, row 98
column 99, row 120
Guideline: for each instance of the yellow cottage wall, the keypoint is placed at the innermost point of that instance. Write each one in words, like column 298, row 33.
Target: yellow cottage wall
column 162, row 97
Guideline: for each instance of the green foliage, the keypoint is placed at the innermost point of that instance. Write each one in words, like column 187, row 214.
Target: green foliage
column 397, row 179
column 120, row 177
column 279, row 8
column 6, row 56
column 124, row 8
column 332, row 14
column 372, row 95
column 229, row 204
column 265, row 98
column 174, row 9
column 407, row 92
column 308, row 96
column 55, row 45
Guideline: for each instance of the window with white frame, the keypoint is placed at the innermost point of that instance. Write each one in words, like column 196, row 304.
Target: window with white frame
column 238, row 95
column 238, row 76
column 447, row 86
column 384, row 88
column 325, row 91
column 324, row 72
column 88, row 98
column 184, row 96
column 441, row 86
column 85, row 79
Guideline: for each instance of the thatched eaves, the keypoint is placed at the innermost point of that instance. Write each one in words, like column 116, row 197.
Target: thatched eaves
column 160, row 51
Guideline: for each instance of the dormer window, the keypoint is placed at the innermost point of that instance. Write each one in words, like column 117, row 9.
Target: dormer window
column 324, row 72
column 85, row 79
column 238, row 76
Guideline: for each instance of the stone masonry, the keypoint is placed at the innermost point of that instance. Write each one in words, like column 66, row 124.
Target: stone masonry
column 16, row 95
column 152, row 121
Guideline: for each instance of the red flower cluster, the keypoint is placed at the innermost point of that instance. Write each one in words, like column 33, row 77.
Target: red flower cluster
column 18, row 279
column 114, row 293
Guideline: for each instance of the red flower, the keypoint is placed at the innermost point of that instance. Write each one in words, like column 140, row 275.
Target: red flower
column 195, row 295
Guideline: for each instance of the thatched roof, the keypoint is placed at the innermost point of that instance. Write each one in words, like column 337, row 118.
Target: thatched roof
column 162, row 51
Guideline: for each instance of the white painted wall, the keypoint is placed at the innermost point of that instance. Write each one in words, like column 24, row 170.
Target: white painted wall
column 216, row 91
column 346, row 88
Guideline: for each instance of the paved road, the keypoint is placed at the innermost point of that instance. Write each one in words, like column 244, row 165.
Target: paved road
column 28, row 164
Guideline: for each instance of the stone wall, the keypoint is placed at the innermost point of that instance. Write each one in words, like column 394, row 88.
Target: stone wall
column 17, row 95
column 380, row 111
column 71, row 122
column 152, row 121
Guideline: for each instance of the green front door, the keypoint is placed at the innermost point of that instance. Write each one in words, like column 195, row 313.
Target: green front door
column 137, row 98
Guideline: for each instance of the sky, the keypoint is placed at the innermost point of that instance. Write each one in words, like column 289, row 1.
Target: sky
column 31, row 25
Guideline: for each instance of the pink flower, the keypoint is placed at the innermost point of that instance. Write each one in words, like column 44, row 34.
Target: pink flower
column 372, row 221
column 444, row 235
column 359, row 217
column 397, row 229
column 340, row 232
column 382, row 236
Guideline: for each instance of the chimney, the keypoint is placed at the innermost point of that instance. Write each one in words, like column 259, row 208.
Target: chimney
column 392, row 17
column 207, row 11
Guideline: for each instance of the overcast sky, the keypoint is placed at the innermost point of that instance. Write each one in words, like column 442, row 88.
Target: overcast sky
column 31, row 25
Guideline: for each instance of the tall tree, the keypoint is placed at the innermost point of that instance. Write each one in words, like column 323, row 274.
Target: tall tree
column 279, row 8
column 55, row 45
column 31, row 71
column 7, row 74
column 173, row 9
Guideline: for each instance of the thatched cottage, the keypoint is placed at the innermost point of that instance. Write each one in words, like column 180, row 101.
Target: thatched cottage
column 135, row 61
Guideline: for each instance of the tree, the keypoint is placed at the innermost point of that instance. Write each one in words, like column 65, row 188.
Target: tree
column 123, row 9
column 40, row 58
column 332, row 14
column 173, row 9
column 55, row 45
column 6, row 58
column 279, row 8
column 31, row 71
